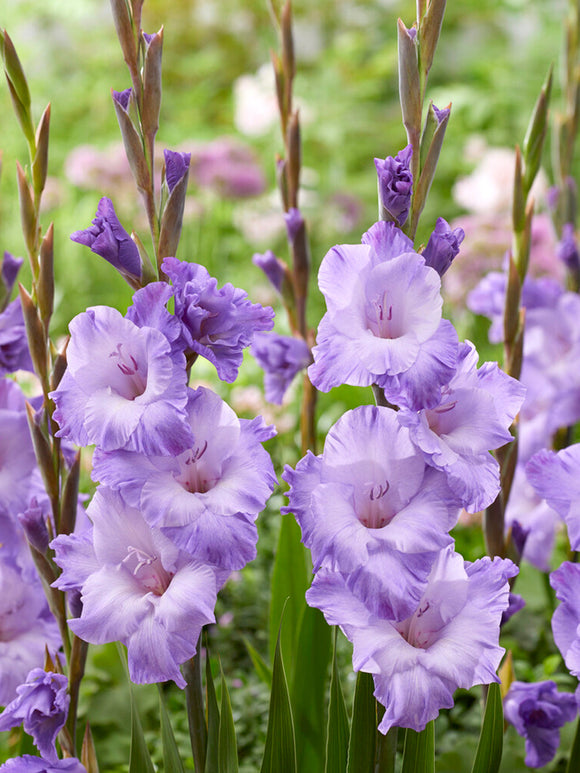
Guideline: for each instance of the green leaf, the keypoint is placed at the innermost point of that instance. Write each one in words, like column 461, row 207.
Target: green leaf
column 263, row 670
column 280, row 749
column 227, row 748
column 139, row 759
column 490, row 746
column 338, row 729
column 419, row 751
column 363, row 730
column 213, row 716
column 309, row 689
column 290, row 580
column 574, row 761
column 171, row 760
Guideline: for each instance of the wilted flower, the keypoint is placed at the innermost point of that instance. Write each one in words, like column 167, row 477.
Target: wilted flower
column 449, row 641
column 538, row 711
column 41, row 707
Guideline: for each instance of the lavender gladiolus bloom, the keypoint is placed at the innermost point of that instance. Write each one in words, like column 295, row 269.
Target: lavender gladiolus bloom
column 371, row 509
column 556, row 478
column 206, row 499
column 138, row 588
column 273, row 267
column 42, row 707
column 538, row 711
column 30, row 764
column 449, row 641
column 396, row 184
column 217, row 324
column 176, row 167
column 281, row 358
column 443, row 246
column 27, row 626
column 567, row 249
column 566, row 618
column 124, row 386
column 14, row 353
column 473, row 417
column 107, row 237
column 383, row 322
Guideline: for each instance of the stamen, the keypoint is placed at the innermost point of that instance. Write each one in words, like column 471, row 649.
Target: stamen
column 446, row 408
column 381, row 491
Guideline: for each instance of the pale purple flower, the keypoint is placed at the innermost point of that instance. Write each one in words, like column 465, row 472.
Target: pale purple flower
column 281, row 358
column 538, row 711
column 556, row 478
column 137, row 588
column 567, row 249
column 217, row 324
column 27, row 626
column 443, row 246
column 566, row 619
column 17, row 457
column 207, row 498
column 9, row 269
column 383, row 322
column 41, row 706
column 527, row 512
column 227, row 167
column 124, row 387
column 273, row 267
column 449, row 641
column 396, row 184
column 14, row 353
column 30, row 764
column 107, row 237
column 176, row 167
column 370, row 508
column 473, row 417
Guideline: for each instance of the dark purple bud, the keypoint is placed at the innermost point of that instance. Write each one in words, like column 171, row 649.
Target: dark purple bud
column 515, row 604
column 9, row 271
column 519, row 537
column 272, row 266
column 294, row 222
column 34, row 525
column 176, row 167
column 567, row 249
column 396, row 184
column 443, row 246
column 107, row 237
column 122, row 98
column 149, row 37
column 442, row 114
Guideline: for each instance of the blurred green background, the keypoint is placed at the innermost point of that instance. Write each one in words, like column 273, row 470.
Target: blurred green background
column 492, row 58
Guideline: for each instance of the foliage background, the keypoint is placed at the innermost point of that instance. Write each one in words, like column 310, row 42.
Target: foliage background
column 492, row 58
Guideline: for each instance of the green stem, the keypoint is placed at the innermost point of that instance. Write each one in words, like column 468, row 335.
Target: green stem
column 195, row 709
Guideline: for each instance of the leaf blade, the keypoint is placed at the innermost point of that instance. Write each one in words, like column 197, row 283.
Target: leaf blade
column 490, row 746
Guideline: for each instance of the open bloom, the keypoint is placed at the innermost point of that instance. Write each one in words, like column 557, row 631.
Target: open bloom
column 472, row 418
column 41, row 707
column 138, row 588
column 538, row 711
column 370, row 508
column 449, row 641
column 217, row 324
column 124, row 387
column 207, row 498
column 383, row 322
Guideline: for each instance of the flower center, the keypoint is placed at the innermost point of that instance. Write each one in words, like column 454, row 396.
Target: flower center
column 195, row 474
column 439, row 420
column 374, row 510
column 134, row 382
column 148, row 570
